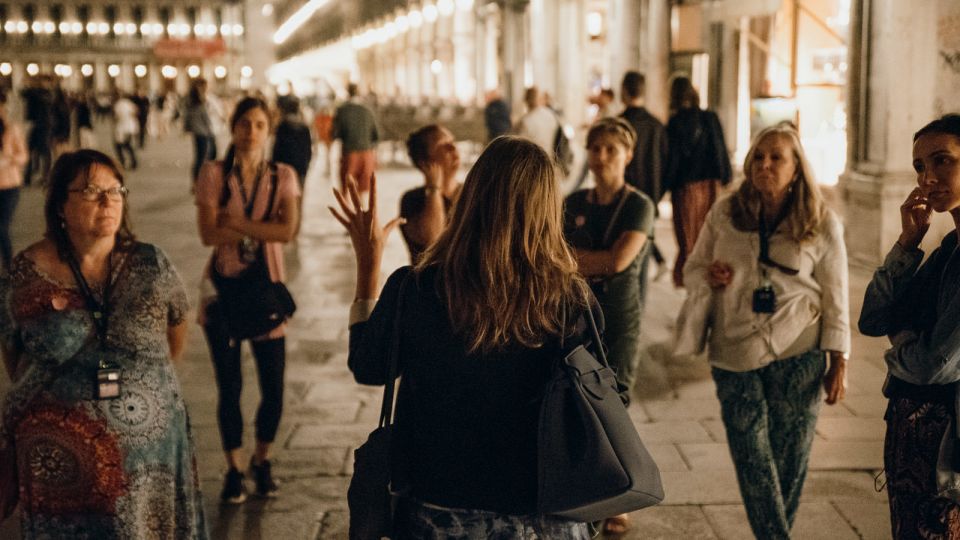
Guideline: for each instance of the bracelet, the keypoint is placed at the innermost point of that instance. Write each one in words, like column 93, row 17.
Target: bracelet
column 430, row 190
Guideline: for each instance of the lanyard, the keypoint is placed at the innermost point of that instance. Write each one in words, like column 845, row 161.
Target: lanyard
column 100, row 310
column 765, row 234
column 248, row 201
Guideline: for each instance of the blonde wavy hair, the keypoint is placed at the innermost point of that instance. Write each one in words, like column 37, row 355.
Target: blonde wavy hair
column 806, row 203
column 505, row 269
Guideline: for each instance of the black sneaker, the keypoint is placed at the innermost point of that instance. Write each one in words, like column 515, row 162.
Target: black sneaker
column 234, row 490
column 266, row 486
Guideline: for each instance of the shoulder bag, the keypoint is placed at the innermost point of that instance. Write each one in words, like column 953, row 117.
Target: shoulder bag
column 592, row 463
column 370, row 498
column 250, row 304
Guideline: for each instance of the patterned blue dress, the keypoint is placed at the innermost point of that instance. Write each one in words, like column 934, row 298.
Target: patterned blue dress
column 99, row 469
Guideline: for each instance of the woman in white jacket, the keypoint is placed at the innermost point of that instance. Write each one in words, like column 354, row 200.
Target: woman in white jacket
column 767, row 280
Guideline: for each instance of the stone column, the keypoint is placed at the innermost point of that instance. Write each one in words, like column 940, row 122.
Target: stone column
column 624, row 18
column 257, row 41
column 464, row 69
column 891, row 95
column 656, row 60
column 513, row 51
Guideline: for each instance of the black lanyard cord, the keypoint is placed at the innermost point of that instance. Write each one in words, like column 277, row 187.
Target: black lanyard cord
column 100, row 310
column 765, row 235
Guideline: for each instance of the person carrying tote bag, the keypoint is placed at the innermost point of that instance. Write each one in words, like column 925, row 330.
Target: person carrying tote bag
column 475, row 355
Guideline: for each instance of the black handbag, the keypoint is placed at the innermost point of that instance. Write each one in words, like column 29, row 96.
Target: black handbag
column 591, row 463
column 370, row 497
column 250, row 304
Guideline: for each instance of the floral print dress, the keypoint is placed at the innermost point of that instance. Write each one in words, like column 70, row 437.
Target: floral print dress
column 89, row 468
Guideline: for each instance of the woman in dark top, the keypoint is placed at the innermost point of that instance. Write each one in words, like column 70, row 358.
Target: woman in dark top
column 918, row 308
column 697, row 165
column 481, row 316
column 608, row 227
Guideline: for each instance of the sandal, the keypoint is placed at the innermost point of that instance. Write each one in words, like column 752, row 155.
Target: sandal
column 616, row 525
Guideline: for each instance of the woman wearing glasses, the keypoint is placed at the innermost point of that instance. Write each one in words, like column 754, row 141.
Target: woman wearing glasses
column 768, row 280
column 95, row 423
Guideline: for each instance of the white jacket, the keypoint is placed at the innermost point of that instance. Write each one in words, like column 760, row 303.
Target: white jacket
column 812, row 307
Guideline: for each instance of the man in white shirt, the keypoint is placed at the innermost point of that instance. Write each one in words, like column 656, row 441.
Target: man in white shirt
column 540, row 123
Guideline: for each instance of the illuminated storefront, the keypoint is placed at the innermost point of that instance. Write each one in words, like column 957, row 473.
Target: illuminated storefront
column 789, row 63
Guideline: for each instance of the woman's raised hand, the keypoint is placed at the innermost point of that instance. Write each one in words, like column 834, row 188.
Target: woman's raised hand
column 366, row 234
column 915, row 215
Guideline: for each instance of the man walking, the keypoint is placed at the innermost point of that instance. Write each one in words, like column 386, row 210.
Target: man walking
column 645, row 170
column 356, row 127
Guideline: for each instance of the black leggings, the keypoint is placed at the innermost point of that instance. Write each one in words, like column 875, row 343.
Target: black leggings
column 270, row 356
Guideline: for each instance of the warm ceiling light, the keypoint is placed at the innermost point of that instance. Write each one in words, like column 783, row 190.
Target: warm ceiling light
column 32, row 69
column 415, row 18
column 296, row 20
column 86, row 70
column 64, row 27
column 220, row 72
column 246, row 72
column 113, row 70
column 430, row 13
column 6, row 69
column 140, row 70
column 193, row 71
column 76, row 27
column 445, row 7
column 168, row 72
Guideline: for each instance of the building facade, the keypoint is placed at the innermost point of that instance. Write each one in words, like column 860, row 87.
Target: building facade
column 105, row 45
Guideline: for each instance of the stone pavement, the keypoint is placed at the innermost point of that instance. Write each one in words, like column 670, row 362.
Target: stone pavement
column 327, row 415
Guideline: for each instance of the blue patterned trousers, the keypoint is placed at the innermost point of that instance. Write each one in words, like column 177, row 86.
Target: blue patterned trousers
column 770, row 415
column 414, row 520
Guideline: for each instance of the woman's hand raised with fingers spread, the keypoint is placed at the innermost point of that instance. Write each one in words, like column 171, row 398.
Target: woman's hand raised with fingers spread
column 366, row 234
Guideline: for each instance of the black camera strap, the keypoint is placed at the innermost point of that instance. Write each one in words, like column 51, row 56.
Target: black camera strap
column 99, row 309
column 766, row 232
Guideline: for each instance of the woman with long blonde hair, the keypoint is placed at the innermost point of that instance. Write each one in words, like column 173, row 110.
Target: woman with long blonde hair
column 480, row 320
column 768, row 278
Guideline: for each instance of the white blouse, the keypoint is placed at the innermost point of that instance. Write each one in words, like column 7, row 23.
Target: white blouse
column 812, row 307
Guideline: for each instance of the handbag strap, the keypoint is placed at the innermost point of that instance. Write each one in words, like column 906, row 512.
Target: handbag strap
column 601, row 354
column 389, row 386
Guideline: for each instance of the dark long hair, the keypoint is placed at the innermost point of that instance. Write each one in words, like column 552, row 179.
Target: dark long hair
column 683, row 95
column 69, row 167
column 948, row 124
column 243, row 107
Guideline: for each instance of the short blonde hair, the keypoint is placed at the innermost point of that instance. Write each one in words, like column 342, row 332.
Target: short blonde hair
column 807, row 208
column 618, row 128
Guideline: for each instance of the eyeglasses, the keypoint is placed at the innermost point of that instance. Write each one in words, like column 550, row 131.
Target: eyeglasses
column 93, row 193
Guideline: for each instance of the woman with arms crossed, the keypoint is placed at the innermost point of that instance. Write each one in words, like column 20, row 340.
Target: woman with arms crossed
column 235, row 216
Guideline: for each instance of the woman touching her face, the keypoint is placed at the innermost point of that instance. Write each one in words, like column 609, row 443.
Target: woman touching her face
column 916, row 306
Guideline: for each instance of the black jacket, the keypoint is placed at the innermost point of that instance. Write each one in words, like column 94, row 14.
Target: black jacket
column 696, row 148
column 292, row 145
column 645, row 171
column 466, row 423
